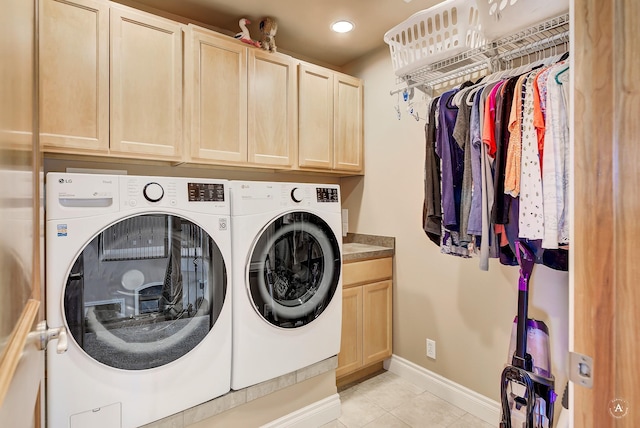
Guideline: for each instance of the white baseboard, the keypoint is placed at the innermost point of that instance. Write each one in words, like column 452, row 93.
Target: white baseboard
column 470, row 401
column 314, row 415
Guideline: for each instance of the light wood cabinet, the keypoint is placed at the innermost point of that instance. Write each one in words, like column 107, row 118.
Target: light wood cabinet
column 240, row 101
column 272, row 108
column 349, row 131
column 216, row 97
column 366, row 316
column 330, row 120
column 146, row 84
column 110, row 81
column 74, row 76
column 116, row 81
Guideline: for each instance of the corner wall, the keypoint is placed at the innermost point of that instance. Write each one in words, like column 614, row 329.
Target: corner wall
column 468, row 312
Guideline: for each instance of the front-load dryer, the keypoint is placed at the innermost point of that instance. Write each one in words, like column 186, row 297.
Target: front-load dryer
column 138, row 276
column 287, row 305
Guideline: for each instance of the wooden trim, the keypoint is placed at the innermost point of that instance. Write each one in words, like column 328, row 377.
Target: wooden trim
column 17, row 341
column 626, row 176
column 606, row 173
column 594, row 290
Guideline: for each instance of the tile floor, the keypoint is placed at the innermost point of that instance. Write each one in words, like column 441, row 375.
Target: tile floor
column 388, row 401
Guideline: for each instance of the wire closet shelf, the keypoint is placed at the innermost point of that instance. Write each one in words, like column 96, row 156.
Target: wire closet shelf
column 532, row 43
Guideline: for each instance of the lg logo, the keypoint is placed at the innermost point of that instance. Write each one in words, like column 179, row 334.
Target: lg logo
column 63, row 180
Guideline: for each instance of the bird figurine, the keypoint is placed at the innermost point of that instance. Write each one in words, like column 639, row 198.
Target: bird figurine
column 268, row 28
column 244, row 35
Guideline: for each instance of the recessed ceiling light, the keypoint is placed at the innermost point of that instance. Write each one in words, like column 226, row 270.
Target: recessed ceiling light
column 342, row 26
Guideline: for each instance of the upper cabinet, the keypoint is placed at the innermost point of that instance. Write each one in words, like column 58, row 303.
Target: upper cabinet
column 146, row 84
column 110, row 80
column 74, row 76
column 272, row 108
column 241, row 102
column 330, row 120
column 348, row 123
column 119, row 82
column 216, row 97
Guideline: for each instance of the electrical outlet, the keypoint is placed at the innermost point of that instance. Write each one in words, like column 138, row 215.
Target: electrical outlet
column 431, row 348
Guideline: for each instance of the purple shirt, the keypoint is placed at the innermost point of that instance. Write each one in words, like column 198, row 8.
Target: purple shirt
column 452, row 158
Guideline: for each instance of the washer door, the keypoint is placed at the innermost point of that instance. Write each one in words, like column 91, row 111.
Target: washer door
column 294, row 269
column 145, row 291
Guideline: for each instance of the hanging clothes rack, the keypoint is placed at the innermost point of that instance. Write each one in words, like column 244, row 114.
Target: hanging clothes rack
column 492, row 56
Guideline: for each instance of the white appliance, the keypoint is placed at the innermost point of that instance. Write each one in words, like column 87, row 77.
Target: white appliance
column 138, row 276
column 287, row 304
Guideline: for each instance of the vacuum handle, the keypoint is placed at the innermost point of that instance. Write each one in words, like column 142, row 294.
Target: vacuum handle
column 520, row 357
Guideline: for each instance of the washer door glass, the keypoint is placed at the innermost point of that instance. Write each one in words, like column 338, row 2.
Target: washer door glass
column 145, row 291
column 294, row 269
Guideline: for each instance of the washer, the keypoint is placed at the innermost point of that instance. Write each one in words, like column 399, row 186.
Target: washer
column 287, row 306
column 138, row 277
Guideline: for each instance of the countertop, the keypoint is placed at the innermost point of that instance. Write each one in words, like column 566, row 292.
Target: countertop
column 363, row 247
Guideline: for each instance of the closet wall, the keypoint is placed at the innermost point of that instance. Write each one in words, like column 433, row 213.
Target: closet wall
column 467, row 311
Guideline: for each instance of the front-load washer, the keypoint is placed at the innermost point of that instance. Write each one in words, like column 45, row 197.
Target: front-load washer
column 138, row 277
column 287, row 304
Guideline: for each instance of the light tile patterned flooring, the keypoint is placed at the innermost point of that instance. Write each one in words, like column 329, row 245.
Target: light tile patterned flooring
column 388, row 401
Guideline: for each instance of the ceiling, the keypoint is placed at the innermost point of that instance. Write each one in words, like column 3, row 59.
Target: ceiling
column 303, row 26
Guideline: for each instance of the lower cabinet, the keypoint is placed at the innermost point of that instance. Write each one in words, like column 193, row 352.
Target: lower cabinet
column 366, row 317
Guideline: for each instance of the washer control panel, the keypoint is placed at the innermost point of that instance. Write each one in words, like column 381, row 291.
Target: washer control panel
column 206, row 192
column 327, row 194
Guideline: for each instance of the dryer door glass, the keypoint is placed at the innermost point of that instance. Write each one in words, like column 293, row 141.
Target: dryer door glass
column 294, row 270
column 145, row 291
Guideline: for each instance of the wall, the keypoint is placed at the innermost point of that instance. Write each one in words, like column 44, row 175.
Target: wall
column 468, row 312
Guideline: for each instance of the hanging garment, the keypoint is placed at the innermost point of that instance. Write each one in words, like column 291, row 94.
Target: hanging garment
column 452, row 169
column 461, row 133
column 452, row 162
column 514, row 153
column 556, row 169
column 475, row 214
column 503, row 110
column 488, row 243
column 432, row 208
column 531, row 219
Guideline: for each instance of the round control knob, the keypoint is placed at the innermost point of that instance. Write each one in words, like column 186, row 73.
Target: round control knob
column 153, row 192
column 297, row 195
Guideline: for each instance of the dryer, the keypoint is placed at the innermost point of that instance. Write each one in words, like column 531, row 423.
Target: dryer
column 138, row 277
column 287, row 306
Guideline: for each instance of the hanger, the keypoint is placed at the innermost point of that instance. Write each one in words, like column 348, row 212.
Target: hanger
column 564, row 70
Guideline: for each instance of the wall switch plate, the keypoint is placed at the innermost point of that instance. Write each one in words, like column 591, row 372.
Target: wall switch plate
column 431, row 348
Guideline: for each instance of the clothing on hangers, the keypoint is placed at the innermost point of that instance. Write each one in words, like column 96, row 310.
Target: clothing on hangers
column 490, row 138
column 432, row 206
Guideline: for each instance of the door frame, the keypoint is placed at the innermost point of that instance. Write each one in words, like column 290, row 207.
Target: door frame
column 606, row 130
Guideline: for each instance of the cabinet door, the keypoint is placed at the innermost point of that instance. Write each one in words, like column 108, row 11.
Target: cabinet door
column 350, row 356
column 348, row 141
column 216, row 85
column 376, row 324
column 146, row 84
column 74, row 76
column 272, row 108
column 315, row 117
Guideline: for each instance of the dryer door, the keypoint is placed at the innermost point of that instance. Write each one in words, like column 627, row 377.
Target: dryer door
column 294, row 269
column 145, row 291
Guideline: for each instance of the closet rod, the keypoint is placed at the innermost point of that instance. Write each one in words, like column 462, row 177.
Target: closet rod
column 413, row 85
column 534, row 47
